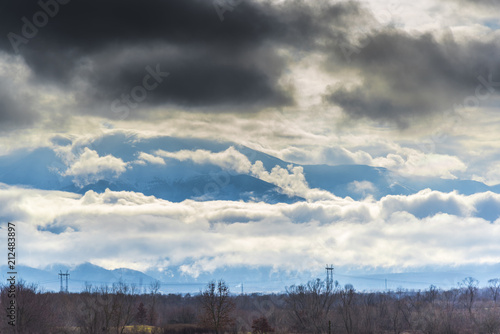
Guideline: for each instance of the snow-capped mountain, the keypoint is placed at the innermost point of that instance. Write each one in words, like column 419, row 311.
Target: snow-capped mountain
column 176, row 180
column 192, row 173
column 243, row 279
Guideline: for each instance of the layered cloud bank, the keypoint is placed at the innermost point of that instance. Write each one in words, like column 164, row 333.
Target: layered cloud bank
column 127, row 229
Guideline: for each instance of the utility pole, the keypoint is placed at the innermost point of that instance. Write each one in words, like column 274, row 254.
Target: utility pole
column 61, row 276
column 329, row 277
column 67, row 278
column 66, row 275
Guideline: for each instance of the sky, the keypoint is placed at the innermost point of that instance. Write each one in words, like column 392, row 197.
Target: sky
column 409, row 86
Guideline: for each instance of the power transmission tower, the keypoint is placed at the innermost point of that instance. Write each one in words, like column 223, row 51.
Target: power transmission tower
column 66, row 275
column 329, row 277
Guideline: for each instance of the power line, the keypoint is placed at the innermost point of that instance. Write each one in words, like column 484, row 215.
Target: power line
column 329, row 281
column 388, row 280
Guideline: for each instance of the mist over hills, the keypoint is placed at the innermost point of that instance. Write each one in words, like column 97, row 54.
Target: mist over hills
column 177, row 180
column 247, row 280
column 179, row 169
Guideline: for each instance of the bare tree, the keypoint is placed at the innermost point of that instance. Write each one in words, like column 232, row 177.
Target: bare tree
column 122, row 306
column 494, row 288
column 399, row 312
column 217, row 306
column 367, row 308
column 95, row 310
column 447, row 311
column 154, row 289
column 310, row 305
column 103, row 309
column 346, row 307
column 469, row 292
column 34, row 312
column 431, row 294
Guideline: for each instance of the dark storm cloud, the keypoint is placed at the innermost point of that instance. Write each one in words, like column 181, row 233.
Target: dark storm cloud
column 196, row 77
column 85, row 32
column 15, row 106
column 102, row 51
column 406, row 77
column 211, row 63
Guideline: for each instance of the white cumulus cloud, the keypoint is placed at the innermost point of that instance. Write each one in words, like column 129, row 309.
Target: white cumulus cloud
column 130, row 229
column 290, row 180
column 89, row 167
column 152, row 159
column 230, row 159
column 413, row 162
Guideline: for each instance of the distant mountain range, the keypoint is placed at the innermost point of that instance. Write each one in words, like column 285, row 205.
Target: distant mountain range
column 180, row 180
column 246, row 280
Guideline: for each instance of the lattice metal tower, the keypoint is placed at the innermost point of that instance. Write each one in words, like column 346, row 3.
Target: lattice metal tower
column 329, row 277
column 66, row 275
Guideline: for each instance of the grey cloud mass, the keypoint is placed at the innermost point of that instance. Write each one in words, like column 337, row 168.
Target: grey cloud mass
column 14, row 113
column 110, row 43
column 100, row 50
column 406, row 77
column 16, row 101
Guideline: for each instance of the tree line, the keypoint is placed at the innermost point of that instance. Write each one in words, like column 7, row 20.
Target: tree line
column 315, row 307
